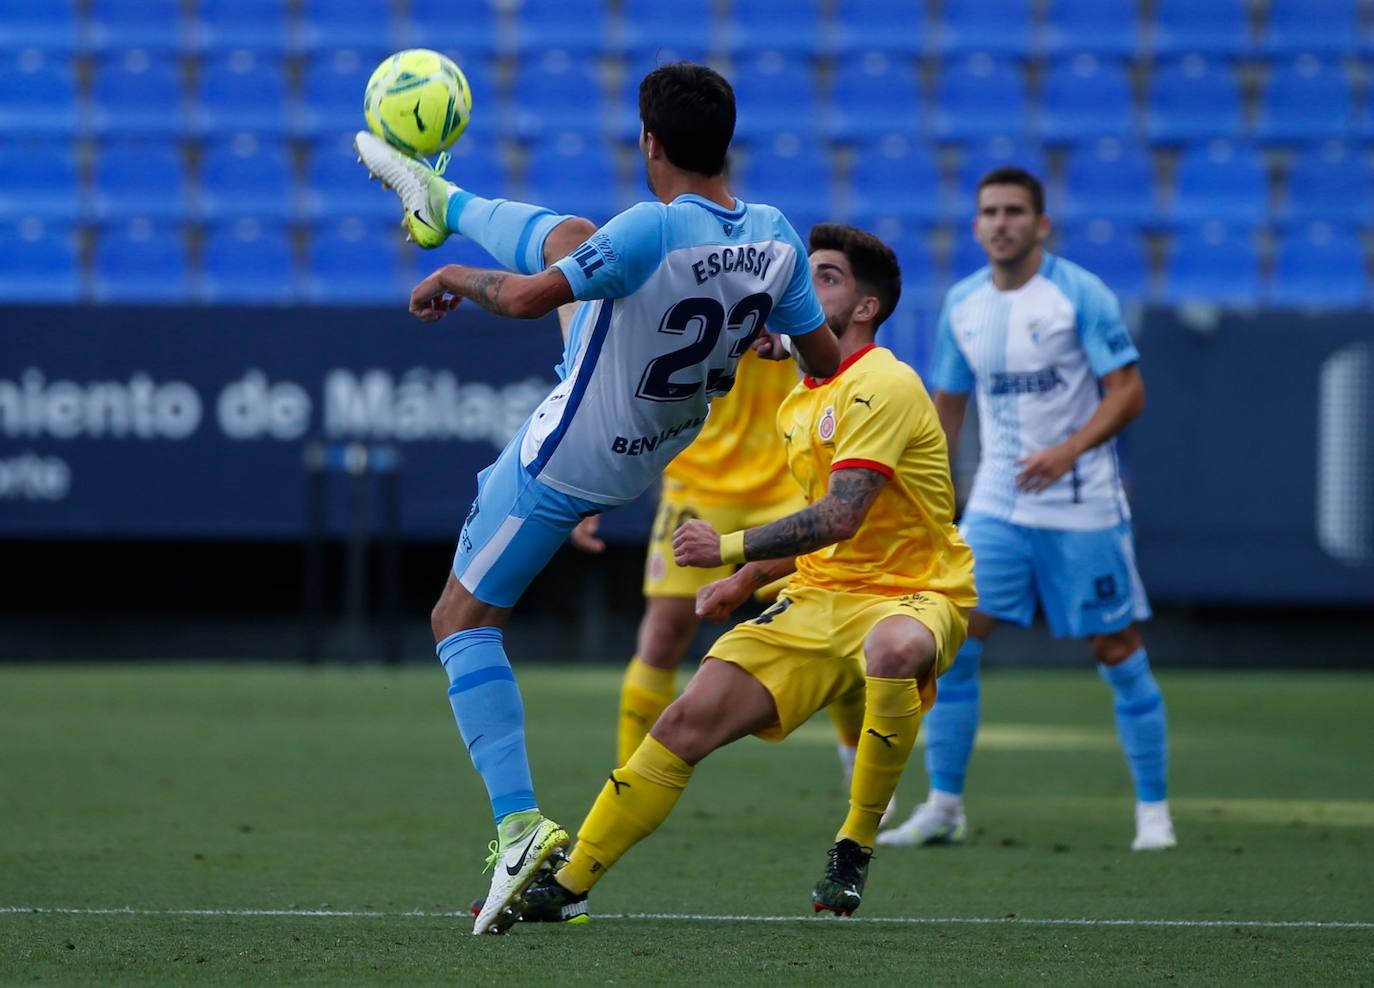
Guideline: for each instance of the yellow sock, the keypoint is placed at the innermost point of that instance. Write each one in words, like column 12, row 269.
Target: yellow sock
column 645, row 692
column 635, row 800
column 889, row 732
column 848, row 714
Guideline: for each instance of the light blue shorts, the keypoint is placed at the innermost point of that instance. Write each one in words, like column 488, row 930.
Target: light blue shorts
column 513, row 529
column 1086, row 581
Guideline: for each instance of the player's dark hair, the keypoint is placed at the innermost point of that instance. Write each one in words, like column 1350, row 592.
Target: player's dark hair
column 874, row 264
column 1017, row 176
column 691, row 110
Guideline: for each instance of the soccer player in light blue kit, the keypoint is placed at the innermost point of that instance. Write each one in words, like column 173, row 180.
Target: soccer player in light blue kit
column 674, row 293
column 1041, row 342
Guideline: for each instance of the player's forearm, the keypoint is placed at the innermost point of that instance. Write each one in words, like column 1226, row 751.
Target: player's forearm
column 833, row 518
column 951, row 409
column 762, row 572
column 501, row 292
column 1119, row 407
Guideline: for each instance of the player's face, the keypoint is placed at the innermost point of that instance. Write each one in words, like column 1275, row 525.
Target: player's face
column 1007, row 225
column 833, row 280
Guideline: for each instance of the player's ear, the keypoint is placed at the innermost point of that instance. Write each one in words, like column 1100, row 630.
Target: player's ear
column 1043, row 227
column 653, row 148
column 867, row 309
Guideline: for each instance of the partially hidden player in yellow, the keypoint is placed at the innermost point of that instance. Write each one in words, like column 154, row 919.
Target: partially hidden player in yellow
column 878, row 604
column 734, row 476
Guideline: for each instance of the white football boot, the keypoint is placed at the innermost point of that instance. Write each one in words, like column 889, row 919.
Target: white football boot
column 936, row 821
column 424, row 193
column 1154, row 827
column 514, row 866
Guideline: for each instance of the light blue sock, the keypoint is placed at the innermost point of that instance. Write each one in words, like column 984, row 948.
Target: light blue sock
column 1141, row 724
column 952, row 723
column 491, row 717
column 512, row 232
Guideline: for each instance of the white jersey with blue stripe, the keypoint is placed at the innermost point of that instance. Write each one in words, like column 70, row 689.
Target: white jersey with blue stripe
column 674, row 295
column 1035, row 355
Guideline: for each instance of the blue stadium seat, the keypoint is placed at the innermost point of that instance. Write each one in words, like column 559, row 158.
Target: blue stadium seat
column 1109, row 29
column 140, row 180
column 1331, row 183
column 438, row 24
column 39, row 96
column 756, row 27
column 141, row 263
column 978, row 160
column 878, row 25
column 45, row 25
column 872, row 94
column 775, row 94
column 978, row 98
column 560, row 92
column 1221, row 181
column 1293, row 27
column 479, row 166
column 1193, row 100
column 647, row 25
column 998, row 27
column 1109, row 180
column 583, row 27
column 1084, row 99
column 337, row 187
column 895, row 177
column 331, row 101
column 1114, row 254
column 244, row 91
column 248, row 263
column 571, row 173
column 1213, row 263
column 1305, row 101
column 352, row 261
column 134, row 94
column 40, row 180
column 39, row 263
column 225, row 24
column 1319, row 266
column 921, row 279
column 791, row 173
column 329, row 25
column 248, row 177
column 1215, row 27
column 157, row 25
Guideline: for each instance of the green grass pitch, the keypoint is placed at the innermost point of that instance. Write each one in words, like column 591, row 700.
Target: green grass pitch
column 176, row 789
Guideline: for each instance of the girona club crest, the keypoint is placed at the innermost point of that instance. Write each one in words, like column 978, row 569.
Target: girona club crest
column 826, row 427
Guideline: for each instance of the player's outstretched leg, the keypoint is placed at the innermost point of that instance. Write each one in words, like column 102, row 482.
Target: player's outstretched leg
column 951, row 727
column 1142, row 726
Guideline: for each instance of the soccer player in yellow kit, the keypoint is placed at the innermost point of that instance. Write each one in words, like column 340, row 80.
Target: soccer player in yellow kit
column 878, row 604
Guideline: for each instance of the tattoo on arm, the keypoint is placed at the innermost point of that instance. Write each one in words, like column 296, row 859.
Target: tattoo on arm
column 484, row 288
column 832, row 519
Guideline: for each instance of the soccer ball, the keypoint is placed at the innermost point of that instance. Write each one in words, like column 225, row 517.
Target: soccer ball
column 417, row 101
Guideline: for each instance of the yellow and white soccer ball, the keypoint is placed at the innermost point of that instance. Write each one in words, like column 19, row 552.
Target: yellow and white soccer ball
column 418, row 101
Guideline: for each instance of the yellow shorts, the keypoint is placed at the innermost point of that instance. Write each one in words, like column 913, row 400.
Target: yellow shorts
column 665, row 578
column 808, row 648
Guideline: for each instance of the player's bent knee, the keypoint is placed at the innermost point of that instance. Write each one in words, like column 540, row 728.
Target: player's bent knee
column 682, row 730
column 458, row 610
column 899, row 648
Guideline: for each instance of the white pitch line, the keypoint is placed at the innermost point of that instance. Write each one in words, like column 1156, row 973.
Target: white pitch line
column 1276, row 924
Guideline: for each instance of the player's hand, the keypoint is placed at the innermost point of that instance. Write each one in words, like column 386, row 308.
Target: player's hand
column 1040, row 470
column 696, row 543
column 717, row 601
column 584, row 535
column 770, row 346
column 430, row 301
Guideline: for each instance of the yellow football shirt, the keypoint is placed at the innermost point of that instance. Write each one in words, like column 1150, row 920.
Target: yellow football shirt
column 875, row 413
column 737, row 457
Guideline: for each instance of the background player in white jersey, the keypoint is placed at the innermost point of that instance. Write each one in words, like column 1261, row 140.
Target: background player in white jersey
column 676, row 291
column 1042, row 342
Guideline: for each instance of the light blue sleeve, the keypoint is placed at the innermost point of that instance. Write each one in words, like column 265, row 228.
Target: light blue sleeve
column 949, row 371
column 617, row 259
column 798, row 312
column 1101, row 329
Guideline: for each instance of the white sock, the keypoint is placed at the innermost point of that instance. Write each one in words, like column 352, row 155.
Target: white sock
column 947, row 802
